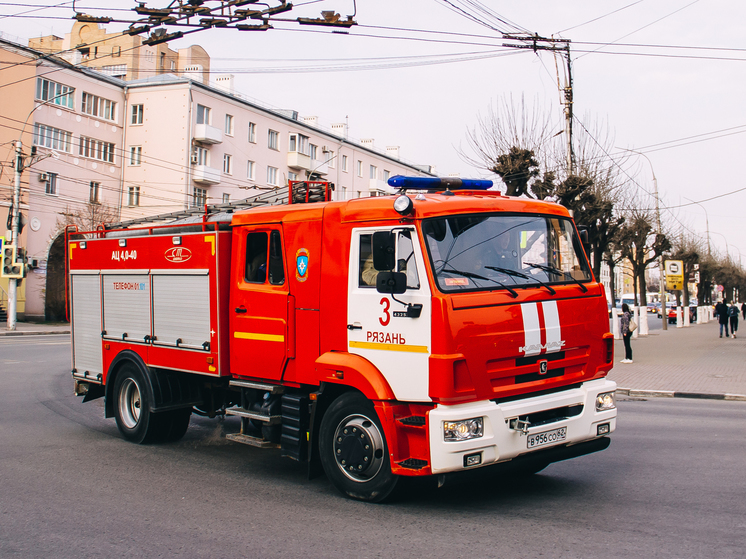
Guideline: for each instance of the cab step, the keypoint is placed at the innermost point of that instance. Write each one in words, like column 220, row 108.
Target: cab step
column 241, row 412
column 271, row 388
column 251, row 441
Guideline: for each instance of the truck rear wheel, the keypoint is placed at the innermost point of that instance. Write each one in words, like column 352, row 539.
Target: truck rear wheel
column 132, row 408
column 353, row 449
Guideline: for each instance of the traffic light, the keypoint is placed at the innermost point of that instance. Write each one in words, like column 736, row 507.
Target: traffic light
column 11, row 268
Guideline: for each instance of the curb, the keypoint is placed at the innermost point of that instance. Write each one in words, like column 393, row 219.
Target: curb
column 675, row 394
column 40, row 333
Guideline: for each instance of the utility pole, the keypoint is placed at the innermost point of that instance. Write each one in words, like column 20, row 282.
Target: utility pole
column 15, row 226
column 561, row 46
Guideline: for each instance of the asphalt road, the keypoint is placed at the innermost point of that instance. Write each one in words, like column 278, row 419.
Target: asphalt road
column 670, row 485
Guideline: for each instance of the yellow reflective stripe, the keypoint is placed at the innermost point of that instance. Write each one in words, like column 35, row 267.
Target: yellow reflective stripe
column 72, row 246
column 391, row 347
column 259, row 337
column 211, row 240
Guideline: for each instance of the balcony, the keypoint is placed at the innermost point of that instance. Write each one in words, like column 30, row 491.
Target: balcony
column 297, row 160
column 205, row 175
column 381, row 188
column 207, row 134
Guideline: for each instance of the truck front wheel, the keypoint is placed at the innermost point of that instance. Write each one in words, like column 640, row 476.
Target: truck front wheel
column 132, row 408
column 353, row 449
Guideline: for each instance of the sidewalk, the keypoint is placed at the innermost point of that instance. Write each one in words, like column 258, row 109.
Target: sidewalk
column 689, row 362
column 36, row 328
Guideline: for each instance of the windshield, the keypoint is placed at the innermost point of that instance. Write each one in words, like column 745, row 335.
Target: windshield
column 498, row 251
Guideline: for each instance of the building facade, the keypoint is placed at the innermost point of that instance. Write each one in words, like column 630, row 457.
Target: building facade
column 107, row 149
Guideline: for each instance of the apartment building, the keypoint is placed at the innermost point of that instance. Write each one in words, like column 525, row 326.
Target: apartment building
column 167, row 142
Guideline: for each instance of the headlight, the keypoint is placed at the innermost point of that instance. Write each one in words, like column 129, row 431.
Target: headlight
column 605, row 401
column 463, row 430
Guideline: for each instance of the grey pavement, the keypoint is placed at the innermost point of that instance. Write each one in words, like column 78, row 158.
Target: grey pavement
column 689, row 362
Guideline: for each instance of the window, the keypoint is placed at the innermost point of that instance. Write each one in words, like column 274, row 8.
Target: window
column 95, row 193
column 273, row 140
column 330, row 159
column 133, row 196
column 314, row 151
column 229, row 125
column 259, row 260
column 135, row 155
column 51, row 186
column 272, row 175
column 344, row 163
column 116, row 51
column 200, row 197
column 250, row 170
column 226, row 198
column 55, row 93
column 96, row 149
column 359, row 168
column 292, row 176
column 404, row 260
column 386, row 175
column 54, row 138
column 298, row 143
column 201, row 156
column 203, row 114
column 138, row 112
column 252, row 132
column 98, row 106
column 373, row 171
column 227, row 164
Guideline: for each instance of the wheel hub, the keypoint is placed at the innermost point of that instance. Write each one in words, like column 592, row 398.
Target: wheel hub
column 358, row 448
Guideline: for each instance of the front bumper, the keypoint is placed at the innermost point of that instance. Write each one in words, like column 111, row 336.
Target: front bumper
column 500, row 443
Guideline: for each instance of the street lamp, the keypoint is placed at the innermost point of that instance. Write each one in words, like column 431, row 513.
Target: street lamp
column 661, row 287
column 707, row 224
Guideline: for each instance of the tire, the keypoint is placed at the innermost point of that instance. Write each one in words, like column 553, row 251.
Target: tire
column 353, row 449
column 132, row 405
column 173, row 425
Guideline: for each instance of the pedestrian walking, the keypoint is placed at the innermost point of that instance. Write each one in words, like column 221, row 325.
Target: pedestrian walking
column 626, row 333
column 721, row 311
column 733, row 316
column 743, row 309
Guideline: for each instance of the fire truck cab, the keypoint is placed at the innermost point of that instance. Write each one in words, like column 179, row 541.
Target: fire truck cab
column 378, row 338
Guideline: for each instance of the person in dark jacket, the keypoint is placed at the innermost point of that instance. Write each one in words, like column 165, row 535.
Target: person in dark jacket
column 721, row 311
column 743, row 310
column 733, row 316
column 626, row 334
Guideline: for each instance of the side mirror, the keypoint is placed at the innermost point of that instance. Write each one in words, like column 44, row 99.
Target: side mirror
column 391, row 283
column 585, row 241
column 384, row 251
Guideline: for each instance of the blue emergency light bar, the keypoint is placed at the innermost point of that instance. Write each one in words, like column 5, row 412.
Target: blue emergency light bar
column 438, row 183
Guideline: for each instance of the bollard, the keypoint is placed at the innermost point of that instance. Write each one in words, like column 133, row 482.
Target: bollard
column 679, row 317
column 644, row 330
column 685, row 311
column 615, row 314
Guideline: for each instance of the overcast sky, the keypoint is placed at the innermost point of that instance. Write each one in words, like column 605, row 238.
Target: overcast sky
column 419, row 73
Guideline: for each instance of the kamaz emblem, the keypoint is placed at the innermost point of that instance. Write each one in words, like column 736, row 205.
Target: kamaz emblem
column 178, row 255
column 543, row 367
column 301, row 264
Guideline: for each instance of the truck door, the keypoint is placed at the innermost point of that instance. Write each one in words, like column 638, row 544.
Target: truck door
column 378, row 325
column 259, row 303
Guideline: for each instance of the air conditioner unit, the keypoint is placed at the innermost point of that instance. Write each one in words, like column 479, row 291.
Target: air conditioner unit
column 195, row 159
column 324, row 149
column 43, row 177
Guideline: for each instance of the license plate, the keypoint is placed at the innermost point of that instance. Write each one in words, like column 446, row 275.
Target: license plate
column 547, row 437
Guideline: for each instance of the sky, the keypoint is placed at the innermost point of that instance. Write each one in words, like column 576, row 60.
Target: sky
column 663, row 77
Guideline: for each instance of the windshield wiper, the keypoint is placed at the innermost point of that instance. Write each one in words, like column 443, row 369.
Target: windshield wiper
column 471, row 275
column 508, row 272
column 557, row 271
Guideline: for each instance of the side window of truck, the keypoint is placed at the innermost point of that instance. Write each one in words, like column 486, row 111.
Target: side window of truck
column 404, row 261
column 256, row 257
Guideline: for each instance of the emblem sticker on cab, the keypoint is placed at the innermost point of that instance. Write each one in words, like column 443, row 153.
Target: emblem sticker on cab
column 301, row 264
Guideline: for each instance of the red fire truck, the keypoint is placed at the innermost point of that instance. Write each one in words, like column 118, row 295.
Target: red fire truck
column 432, row 333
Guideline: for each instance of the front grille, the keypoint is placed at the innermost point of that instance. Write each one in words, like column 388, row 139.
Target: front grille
column 534, row 359
column 531, row 377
